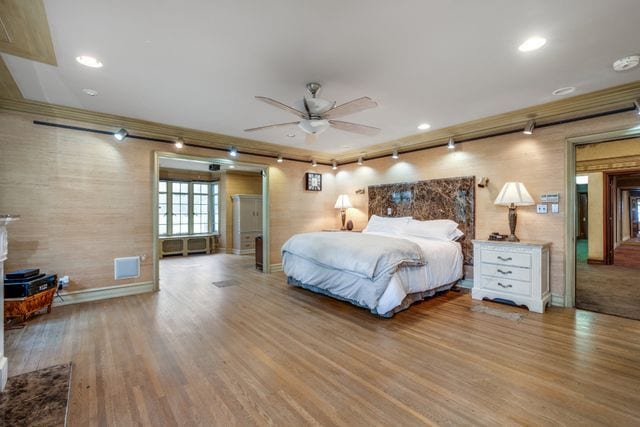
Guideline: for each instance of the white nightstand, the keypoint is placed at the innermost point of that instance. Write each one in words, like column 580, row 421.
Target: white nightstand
column 513, row 271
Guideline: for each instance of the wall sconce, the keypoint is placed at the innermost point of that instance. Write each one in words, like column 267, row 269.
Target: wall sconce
column 483, row 182
column 360, row 191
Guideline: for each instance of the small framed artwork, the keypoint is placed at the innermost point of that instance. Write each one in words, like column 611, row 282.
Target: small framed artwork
column 313, row 181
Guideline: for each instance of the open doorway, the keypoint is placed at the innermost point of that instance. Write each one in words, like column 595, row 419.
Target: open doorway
column 607, row 252
column 197, row 220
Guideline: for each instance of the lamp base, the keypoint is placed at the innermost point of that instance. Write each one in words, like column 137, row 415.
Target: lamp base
column 512, row 238
column 513, row 219
column 343, row 215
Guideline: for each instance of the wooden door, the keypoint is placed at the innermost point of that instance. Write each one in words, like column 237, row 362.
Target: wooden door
column 583, row 216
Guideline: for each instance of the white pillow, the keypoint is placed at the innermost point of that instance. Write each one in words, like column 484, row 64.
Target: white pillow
column 455, row 235
column 443, row 229
column 385, row 224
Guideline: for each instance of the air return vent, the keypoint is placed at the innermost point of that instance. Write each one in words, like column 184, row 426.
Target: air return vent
column 126, row 268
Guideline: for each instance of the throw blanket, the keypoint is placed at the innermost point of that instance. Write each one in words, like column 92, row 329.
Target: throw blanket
column 364, row 254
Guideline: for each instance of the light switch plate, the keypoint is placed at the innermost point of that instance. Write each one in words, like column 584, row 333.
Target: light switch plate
column 555, row 208
column 541, row 209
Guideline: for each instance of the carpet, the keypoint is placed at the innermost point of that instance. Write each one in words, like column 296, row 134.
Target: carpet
column 496, row 312
column 37, row 398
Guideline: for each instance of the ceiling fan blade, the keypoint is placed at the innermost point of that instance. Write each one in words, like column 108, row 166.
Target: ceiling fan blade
column 310, row 138
column 282, row 106
column 271, row 126
column 354, row 127
column 350, row 107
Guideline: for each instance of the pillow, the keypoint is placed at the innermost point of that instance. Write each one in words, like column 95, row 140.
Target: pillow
column 385, row 224
column 455, row 235
column 443, row 229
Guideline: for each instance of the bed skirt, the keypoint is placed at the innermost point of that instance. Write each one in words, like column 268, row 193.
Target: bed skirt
column 406, row 302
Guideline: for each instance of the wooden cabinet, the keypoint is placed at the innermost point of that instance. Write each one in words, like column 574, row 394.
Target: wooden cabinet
column 247, row 222
column 517, row 272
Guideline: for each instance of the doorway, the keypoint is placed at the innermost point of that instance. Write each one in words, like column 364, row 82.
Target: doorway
column 607, row 257
column 192, row 215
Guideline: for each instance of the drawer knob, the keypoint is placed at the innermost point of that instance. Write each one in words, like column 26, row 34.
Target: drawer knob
column 504, row 259
column 505, row 272
column 504, row 286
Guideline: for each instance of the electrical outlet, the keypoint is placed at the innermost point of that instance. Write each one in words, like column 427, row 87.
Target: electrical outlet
column 555, row 208
column 541, row 209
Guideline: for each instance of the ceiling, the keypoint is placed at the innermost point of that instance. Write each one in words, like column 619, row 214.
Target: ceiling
column 198, row 64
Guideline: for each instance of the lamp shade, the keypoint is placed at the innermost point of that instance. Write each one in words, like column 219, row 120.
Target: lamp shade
column 516, row 193
column 343, row 202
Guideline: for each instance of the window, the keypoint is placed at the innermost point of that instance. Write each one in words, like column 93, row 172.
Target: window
column 187, row 208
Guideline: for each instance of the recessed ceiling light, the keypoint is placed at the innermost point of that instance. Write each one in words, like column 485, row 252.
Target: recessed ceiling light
column 291, row 135
column 90, row 92
column 89, row 61
column 532, row 43
column 346, row 147
column 424, row 126
column 564, row 91
column 626, row 63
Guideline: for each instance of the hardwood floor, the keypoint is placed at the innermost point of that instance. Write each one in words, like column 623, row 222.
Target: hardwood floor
column 259, row 352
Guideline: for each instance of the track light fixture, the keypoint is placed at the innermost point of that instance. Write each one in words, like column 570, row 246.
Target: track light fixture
column 334, row 165
column 280, row 159
column 121, row 134
column 637, row 104
column 451, row 144
column 314, row 163
column 395, row 154
column 528, row 129
column 179, row 143
column 233, row 152
column 360, row 161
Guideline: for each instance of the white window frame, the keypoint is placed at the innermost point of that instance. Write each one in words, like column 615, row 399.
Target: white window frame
column 213, row 209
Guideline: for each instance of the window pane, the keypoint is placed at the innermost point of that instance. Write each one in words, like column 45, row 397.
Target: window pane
column 162, row 198
column 162, row 229
column 163, row 186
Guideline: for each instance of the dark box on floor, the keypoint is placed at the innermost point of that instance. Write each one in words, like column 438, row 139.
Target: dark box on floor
column 21, row 288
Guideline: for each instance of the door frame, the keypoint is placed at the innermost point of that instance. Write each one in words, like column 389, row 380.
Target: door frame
column 570, row 204
column 266, row 264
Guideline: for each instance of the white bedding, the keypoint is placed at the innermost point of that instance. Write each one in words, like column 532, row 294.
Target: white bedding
column 444, row 262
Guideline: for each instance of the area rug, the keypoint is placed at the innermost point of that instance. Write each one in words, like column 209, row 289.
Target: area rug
column 37, row 398
column 497, row 312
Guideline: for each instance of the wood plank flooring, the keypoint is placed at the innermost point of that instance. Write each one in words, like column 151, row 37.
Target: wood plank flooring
column 259, row 352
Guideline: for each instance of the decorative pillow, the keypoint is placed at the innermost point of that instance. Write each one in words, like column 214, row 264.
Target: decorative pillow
column 385, row 224
column 443, row 229
column 455, row 235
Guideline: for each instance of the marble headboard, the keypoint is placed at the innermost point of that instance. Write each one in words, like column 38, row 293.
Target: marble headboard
column 446, row 198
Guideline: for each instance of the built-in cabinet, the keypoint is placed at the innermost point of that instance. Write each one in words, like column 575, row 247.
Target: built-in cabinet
column 247, row 222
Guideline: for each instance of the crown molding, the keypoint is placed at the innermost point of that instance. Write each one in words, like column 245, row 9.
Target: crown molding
column 158, row 130
column 593, row 103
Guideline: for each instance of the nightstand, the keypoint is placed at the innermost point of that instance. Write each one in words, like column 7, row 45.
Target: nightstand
column 516, row 272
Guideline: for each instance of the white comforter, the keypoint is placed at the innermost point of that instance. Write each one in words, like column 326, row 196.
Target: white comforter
column 444, row 262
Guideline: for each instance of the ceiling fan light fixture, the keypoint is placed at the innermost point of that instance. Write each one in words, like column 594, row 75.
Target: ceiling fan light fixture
column 121, row 134
column 314, row 127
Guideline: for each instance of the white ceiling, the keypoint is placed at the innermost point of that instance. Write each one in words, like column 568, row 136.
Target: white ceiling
column 199, row 63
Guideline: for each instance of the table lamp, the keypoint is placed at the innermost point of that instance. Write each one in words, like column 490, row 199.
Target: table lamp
column 343, row 203
column 513, row 194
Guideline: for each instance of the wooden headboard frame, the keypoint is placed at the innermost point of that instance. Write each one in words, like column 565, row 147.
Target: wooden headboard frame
column 446, row 198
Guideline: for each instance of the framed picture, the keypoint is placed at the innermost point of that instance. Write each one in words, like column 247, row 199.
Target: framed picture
column 313, row 181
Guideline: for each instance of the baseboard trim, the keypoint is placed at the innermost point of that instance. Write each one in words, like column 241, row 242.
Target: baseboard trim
column 595, row 261
column 87, row 295
column 557, row 300
column 275, row 268
column 243, row 251
column 4, row 372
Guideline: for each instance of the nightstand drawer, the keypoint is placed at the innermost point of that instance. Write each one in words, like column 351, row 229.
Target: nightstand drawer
column 506, row 285
column 506, row 272
column 506, row 258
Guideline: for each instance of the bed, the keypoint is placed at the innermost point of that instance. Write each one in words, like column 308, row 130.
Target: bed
column 395, row 261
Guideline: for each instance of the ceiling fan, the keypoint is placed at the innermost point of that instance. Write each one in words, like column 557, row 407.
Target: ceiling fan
column 319, row 114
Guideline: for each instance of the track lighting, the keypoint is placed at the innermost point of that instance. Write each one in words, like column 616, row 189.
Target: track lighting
column 360, row 161
column 528, row 129
column 233, row 151
column 179, row 143
column 334, row 165
column 395, row 154
column 637, row 104
column 280, row 159
column 451, row 144
column 120, row 135
column 314, row 163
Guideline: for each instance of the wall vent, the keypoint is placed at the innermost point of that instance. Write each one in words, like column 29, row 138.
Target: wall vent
column 126, row 268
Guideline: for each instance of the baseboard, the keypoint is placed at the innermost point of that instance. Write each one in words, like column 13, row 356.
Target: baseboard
column 275, row 268
column 244, row 251
column 595, row 261
column 4, row 372
column 86, row 295
column 557, row 300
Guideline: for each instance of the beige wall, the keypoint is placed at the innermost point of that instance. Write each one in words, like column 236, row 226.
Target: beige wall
column 596, row 216
column 86, row 199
